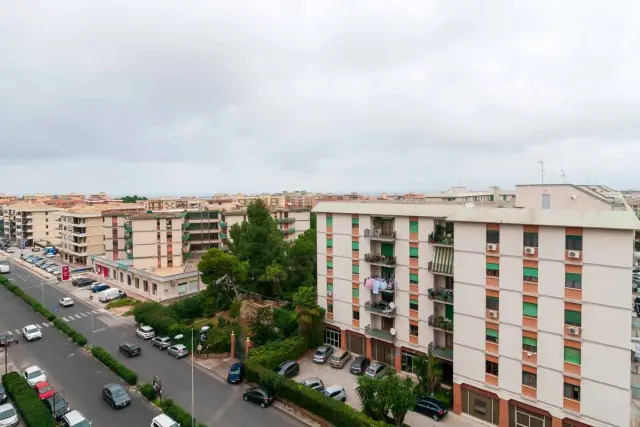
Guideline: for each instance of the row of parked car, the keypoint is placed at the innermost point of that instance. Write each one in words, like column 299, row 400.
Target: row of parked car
column 45, row 264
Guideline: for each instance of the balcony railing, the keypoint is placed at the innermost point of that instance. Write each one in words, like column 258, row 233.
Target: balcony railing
column 382, row 308
column 186, row 225
column 186, row 237
column 440, row 322
column 440, row 268
column 129, row 255
column 380, row 334
column 380, row 234
column 440, row 239
column 285, row 220
column 289, row 230
column 380, row 259
column 223, row 236
column 441, row 352
column 128, row 242
column 222, row 224
column 441, row 294
column 127, row 227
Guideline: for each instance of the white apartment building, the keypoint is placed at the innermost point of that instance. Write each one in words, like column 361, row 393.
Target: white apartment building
column 511, row 300
column 31, row 223
column 292, row 222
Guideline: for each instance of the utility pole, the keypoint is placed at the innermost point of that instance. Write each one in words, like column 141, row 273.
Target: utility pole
column 193, row 415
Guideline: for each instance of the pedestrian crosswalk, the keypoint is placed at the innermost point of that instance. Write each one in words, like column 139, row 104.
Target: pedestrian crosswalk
column 68, row 318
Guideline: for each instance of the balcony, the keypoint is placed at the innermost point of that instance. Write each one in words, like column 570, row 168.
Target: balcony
column 186, row 237
column 383, row 260
column 442, row 295
column 285, row 220
column 382, row 235
column 379, row 334
column 186, row 248
column 439, row 268
column 128, row 242
column 223, row 236
column 441, row 323
column 127, row 227
column 440, row 240
column 129, row 255
column 290, row 230
column 445, row 353
column 381, row 308
column 222, row 224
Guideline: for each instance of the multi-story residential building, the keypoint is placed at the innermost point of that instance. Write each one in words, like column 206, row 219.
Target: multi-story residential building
column 291, row 222
column 272, row 201
column 31, row 223
column 173, row 203
column 299, row 199
column 206, row 229
column 509, row 299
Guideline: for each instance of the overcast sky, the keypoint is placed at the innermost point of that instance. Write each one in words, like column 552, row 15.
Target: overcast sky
column 169, row 97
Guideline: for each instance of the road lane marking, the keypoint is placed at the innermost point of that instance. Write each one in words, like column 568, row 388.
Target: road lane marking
column 78, row 316
column 65, row 319
column 45, row 324
column 83, row 315
column 17, row 331
column 100, row 330
column 95, row 311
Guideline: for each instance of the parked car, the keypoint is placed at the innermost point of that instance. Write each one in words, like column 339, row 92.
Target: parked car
column 431, row 407
column 339, row 359
column 130, row 348
column 50, row 255
column 258, row 395
column 178, row 350
column 45, row 265
column 10, row 250
column 116, row 396
column 65, row 302
column 83, row 281
column 4, row 268
column 52, row 268
column 110, row 295
column 145, row 332
column 75, row 419
column 57, row 405
column 6, row 338
column 377, row 370
column 322, row 354
column 359, row 365
column 44, row 390
column 236, row 373
column 31, row 332
column 163, row 420
column 35, row 249
column 161, row 342
column 3, row 394
column 99, row 287
column 8, row 415
column 288, row 369
column 34, row 375
column 336, row 392
column 313, row 383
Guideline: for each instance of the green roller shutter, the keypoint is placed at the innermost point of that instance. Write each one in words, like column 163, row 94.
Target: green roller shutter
column 491, row 266
column 355, row 292
column 330, row 287
column 329, row 243
column 573, row 278
column 530, row 341
column 492, row 333
column 573, row 317
column 355, row 221
column 355, row 246
column 448, row 312
column 329, row 221
column 529, row 309
column 530, row 272
column 413, row 227
column 413, row 278
column 355, row 269
column 330, row 264
column 413, row 301
column 572, row 355
column 386, row 249
column 413, row 252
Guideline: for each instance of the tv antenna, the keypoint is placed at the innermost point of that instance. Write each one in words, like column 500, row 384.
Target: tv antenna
column 564, row 176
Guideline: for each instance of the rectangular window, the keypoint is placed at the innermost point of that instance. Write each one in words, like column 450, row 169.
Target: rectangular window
column 413, row 227
column 329, row 243
column 413, row 330
column 572, row 391
column 572, row 355
column 329, row 265
column 572, row 318
column 529, row 379
column 329, row 287
column 356, row 314
column 355, row 292
column 413, row 278
column 530, row 274
column 329, row 308
column 574, row 243
column 493, row 303
column 492, row 335
column 493, row 236
column 531, row 240
column 529, row 309
column 493, row 270
column 413, row 303
column 573, row 280
column 329, row 221
column 355, row 269
column 355, row 246
column 413, row 252
column 491, row 368
column 355, row 222
column 530, row 344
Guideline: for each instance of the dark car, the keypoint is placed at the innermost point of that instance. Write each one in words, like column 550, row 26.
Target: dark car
column 57, row 406
column 130, row 348
column 258, row 395
column 6, row 338
column 99, row 288
column 431, row 407
column 116, row 395
column 359, row 365
column 82, row 282
column 236, row 373
column 288, row 369
column 3, row 394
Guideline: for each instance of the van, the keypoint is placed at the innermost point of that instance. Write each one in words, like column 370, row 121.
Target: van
column 109, row 295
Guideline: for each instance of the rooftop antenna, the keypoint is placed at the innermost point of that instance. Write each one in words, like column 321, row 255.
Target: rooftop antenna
column 564, row 176
column 541, row 163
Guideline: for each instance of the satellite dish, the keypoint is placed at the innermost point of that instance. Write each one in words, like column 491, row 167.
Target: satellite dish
column 392, row 331
column 392, row 305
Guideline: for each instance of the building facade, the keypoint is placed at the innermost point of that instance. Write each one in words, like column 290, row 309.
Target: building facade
column 291, row 222
column 173, row 203
column 510, row 300
column 31, row 223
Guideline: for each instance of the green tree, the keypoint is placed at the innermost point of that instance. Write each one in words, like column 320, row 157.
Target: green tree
column 263, row 328
column 222, row 272
column 421, row 370
column 434, row 374
column 367, row 389
column 132, row 199
column 307, row 309
column 390, row 394
column 274, row 275
column 301, row 262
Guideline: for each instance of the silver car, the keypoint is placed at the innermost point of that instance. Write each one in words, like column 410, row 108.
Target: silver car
column 336, row 392
column 322, row 354
column 8, row 415
column 313, row 383
column 178, row 350
column 377, row 370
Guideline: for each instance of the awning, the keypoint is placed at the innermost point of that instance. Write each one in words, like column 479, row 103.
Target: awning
column 443, row 260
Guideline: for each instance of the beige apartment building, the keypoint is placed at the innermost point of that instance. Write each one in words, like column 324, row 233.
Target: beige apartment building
column 173, row 203
column 291, row 222
column 510, row 300
column 31, row 223
column 271, row 200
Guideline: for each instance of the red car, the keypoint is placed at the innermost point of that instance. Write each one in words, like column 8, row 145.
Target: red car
column 44, row 390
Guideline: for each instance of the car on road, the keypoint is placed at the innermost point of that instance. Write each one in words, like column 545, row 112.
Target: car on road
column 322, row 354
column 8, row 415
column 259, row 395
column 339, row 359
column 44, row 390
column 83, row 281
column 163, row 420
column 4, row 268
column 178, row 350
column 3, row 394
column 313, row 383
column 288, row 369
column 65, row 302
column 236, row 373
column 99, row 287
column 116, row 395
column 377, row 370
column 145, row 332
column 57, row 405
column 31, row 332
column 75, row 419
column 431, row 407
column 130, row 348
column 6, row 338
column 161, row 342
column 34, row 375
column 359, row 365
column 10, row 250
column 336, row 392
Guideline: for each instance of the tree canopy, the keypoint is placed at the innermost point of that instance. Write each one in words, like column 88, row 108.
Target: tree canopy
column 132, row 199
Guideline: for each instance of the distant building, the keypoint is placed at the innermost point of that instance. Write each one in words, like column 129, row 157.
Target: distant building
column 291, row 222
column 31, row 223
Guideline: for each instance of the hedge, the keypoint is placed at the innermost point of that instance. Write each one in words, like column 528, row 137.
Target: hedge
column 33, row 412
column 118, row 368
column 177, row 413
column 272, row 354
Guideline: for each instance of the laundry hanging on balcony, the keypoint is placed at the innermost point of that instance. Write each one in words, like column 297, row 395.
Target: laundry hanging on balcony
column 377, row 284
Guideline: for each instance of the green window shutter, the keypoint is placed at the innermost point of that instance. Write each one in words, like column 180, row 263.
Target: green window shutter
column 572, row 317
column 413, row 278
column 491, row 266
column 413, row 301
column 492, row 333
column 355, row 269
column 413, row 252
column 329, row 221
column 330, row 287
column 355, row 292
column 529, row 309
column 355, row 221
column 573, row 277
column 572, row 355
column 355, row 246
column 330, row 264
column 413, row 227
column 530, row 272
column 530, row 341
column 448, row 312
column 386, row 249
column 329, row 243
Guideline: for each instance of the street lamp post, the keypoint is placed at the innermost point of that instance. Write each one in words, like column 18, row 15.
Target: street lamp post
column 193, row 414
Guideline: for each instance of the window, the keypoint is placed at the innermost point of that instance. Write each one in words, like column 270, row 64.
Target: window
column 492, row 335
column 137, row 283
column 330, row 308
column 128, row 280
column 573, row 280
column 493, row 270
column 355, row 269
column 121, row 277
column 406, row 364
column 413, row 303
column 355, row 292
column 491, row 368
column 355, row 222
column 574, row 243
column 572, row 391
column 154, row 289
column 145, row 286
column 356, row 314
column 329, row 243
column 355, row 246
column 493, row 236
column 529, row 379
column 329, row 287
column 572, row 318
column 530, row 274
column 413, row 278
column 529, row 309
column 572, row 355
column 329, row 221
column 413, row 330
column 169, row 262
column 531, row 239
column 493, row 303
column 530, row 344
column 413, row 227
column 329, row 265
column 413, row 252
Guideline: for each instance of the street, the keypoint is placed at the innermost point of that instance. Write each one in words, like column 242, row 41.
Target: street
column 216, row 403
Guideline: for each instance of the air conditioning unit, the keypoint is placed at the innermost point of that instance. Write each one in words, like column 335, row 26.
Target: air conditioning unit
column 329, row 294
column 574, row 254
column 493, row 314
column 574, row 330
column 492, row 246
column 529, row 250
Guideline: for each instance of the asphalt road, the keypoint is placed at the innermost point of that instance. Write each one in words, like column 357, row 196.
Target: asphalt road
column 216, row 403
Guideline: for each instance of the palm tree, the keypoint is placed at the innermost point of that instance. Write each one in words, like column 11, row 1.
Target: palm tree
column 434, row 374
column 367, row 389
column 307, row 309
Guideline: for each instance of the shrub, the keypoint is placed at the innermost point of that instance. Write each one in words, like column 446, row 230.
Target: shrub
column 234, row 310
column 156, row 315
column 146, row 390
column 219, row 340
column 122, row 371
column 33, row 412
column 177, row 413
column 272, row 354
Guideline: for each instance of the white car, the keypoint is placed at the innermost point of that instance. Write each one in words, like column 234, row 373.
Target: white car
column 163, row 420
column 336, row 392
column 10, row 250
column 8, row 415
column 31, row 332
column 34, row 375
column 145, row 332
column 66, row 302
column 4, row 268
column 53, row 267
column 75, row 419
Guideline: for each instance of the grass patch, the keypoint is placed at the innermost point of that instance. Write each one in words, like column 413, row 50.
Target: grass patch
column 203, row 322
column 124, row 302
